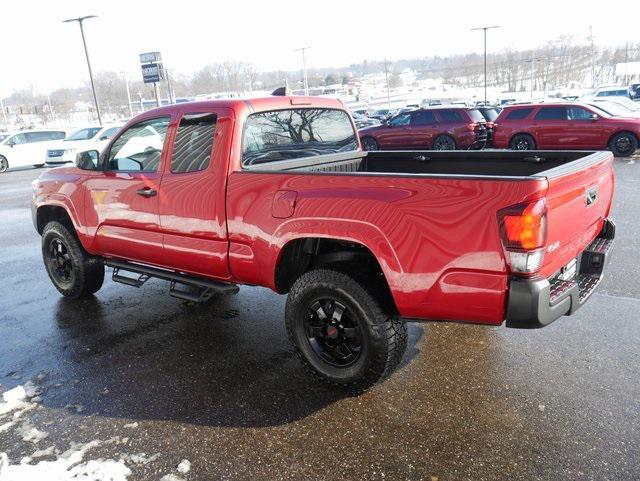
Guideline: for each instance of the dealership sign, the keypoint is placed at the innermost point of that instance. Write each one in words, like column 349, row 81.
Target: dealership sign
column 150, row 57
column 152, row 72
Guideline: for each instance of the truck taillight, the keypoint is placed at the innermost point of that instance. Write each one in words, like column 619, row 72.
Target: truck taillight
column 523, row 228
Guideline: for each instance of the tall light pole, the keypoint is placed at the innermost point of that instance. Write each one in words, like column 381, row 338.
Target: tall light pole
column 126, row 85
column 86, row 52
column 304, row 69
column 484, row 29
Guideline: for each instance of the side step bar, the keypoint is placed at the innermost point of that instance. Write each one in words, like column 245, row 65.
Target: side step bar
column 195, row 289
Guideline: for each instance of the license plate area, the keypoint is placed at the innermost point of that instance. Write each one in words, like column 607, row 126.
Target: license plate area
column 569, row 271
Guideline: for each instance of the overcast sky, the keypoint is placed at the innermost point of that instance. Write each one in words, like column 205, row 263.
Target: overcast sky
column 39, row 50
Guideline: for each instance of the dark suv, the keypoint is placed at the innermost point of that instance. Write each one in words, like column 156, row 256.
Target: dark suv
column 440, row 128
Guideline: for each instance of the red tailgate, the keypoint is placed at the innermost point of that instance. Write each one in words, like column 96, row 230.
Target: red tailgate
column 577, row 204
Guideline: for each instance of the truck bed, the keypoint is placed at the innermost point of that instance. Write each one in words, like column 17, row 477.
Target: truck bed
column 442, row 163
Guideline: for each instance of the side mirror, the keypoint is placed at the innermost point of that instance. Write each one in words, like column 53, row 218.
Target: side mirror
column 88, row 160
column 11, row 143
column 104, row 137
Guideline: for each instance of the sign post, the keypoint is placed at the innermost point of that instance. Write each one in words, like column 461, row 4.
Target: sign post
column 152, row 71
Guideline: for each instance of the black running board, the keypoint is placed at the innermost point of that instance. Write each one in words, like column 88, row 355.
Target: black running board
column 183, row 286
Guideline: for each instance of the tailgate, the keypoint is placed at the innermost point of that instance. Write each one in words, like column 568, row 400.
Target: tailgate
column 578, row 201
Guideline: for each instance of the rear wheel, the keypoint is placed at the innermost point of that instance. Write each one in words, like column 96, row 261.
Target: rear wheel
column 4, row 164
column 444, row 142
column 341, row 332
column 73, row 271
column 369, row 144
column 522, row 142
column 623, row 144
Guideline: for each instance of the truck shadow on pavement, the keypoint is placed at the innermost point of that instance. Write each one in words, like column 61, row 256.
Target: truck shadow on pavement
column 224, row 363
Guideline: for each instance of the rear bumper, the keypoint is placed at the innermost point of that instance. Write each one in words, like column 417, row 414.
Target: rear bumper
column 535, row 303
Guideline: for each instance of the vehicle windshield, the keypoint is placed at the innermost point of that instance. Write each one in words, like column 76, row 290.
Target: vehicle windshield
column 613, row 108
column 601, row 110
column 296, row 133
column 84, row 134
column 476, row 116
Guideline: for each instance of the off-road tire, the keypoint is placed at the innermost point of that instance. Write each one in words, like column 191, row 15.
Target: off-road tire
column 87, row 271
column 384, row 335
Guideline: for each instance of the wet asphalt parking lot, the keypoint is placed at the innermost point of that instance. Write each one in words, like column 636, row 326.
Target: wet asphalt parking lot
column 132, row 382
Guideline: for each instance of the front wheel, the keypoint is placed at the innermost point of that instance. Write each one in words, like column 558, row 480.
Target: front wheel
column 369, row 144
column 623, row 144
column 4, row 164
column 341, row 332
column 72, row 270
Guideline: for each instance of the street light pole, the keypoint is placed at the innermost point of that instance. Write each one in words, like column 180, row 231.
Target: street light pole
column 484, row 29
column 126, row 84
column 86, row 52
column 304, row 69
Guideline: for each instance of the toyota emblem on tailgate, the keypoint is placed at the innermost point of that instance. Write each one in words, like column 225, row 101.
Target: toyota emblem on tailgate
column 591, row 196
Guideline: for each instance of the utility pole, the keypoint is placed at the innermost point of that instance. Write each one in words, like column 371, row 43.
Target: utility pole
column 532, row 62
column 126, row 85
column 593, row 58
column 172, row 99
column 626, row 60
column 386, row 76
column 86, row 52
column 484, row 29
column 304, row 68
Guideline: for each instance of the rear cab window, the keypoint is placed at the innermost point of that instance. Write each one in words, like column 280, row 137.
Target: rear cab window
column 194, row 143
column 296, row 133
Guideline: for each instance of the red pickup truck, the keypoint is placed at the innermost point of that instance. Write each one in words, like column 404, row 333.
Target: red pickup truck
column 276, row 192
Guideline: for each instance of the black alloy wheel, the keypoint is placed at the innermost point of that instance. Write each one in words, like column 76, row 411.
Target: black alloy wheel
column 333, row 332
column 59, row 262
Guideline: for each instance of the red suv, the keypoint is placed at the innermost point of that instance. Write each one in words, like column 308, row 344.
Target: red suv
column 566, row 127
column 447, row 128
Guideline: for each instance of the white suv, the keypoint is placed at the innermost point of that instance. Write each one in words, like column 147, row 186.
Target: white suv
column 25, row 148
column 88, row 138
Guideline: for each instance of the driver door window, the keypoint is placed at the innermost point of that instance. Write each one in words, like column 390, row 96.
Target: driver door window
column 139, row 148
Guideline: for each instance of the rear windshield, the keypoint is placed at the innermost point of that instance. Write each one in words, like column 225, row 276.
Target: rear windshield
column 296, row 133
column 490, row 114
column 476, row 115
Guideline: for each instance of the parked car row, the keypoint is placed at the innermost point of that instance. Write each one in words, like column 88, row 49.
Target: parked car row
column 39, row 147
column 599, row 124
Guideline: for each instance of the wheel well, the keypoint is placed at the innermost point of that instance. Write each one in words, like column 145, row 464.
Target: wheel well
column 523, row 133
column 48, row 213
column 302, row 255
column 623, row 132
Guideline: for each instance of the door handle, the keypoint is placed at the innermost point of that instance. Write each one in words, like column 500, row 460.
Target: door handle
column 147, row 192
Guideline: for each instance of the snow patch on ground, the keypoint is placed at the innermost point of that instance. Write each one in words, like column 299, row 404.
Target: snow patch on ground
column 30, row 433
column 67, row 467
column 184, row 467
column 171, row 477
column 15, row 400
column 131, row 425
